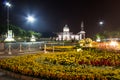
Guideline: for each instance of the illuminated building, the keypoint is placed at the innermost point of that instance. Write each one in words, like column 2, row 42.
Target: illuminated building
column 67, row 35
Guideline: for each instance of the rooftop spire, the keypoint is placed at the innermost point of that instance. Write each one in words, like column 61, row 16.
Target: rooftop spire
column 82, row 26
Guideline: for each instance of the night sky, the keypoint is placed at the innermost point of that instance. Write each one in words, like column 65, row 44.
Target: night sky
column 52, row 15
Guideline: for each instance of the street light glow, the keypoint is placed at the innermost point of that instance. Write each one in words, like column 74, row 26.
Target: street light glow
column 101, row 22
column 113, row 43
column 30, row 19
column 8, row 4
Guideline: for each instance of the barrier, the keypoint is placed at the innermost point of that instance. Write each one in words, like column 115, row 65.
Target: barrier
column 29, row 47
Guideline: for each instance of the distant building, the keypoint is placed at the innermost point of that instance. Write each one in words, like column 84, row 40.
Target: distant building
column 67, row 35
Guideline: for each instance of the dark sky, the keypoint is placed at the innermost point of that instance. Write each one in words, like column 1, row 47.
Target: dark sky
column 52, row 15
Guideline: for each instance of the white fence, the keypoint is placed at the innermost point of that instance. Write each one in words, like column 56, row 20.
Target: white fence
column 27, row 47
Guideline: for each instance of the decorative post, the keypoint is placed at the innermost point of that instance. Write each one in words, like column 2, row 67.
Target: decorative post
column 44, row 48
column 20, row 48
column 9, row 49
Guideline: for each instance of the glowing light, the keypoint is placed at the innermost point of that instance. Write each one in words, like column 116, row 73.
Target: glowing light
column 101, row 23
column 98, row 39
column 8, row 4
column 113, row 43
column 30, row 19
column 66, row 28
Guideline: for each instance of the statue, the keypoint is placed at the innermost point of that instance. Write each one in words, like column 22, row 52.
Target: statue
column 9, row 36
column 33, row 38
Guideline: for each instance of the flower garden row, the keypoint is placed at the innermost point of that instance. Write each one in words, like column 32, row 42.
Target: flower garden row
column 84, row 65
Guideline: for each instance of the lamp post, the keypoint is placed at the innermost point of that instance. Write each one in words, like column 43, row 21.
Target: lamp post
column 8, row 6
column 31, row 19
column 98, row 39
column 9, row 35
column 101, row 23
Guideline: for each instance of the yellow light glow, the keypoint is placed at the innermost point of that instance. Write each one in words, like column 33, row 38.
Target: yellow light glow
column 113, row 43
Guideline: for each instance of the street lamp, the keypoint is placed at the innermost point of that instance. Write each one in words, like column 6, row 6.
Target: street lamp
column 8, row 6
column 9, row 36
column 101, row 23
column 30, row 19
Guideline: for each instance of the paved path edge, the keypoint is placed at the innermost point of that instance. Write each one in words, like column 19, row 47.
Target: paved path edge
column 18, row 76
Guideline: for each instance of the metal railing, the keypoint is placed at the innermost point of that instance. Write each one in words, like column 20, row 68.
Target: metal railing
column 28, row 47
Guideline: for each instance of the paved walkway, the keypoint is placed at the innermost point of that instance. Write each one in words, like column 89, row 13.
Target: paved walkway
column 3, row 76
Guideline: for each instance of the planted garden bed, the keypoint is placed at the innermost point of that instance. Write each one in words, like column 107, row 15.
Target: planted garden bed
column 84, row 65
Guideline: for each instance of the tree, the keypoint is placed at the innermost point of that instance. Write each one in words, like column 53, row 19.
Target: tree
column 38, row 35
column 19, row 32
column 108, row 34
column 3, row 29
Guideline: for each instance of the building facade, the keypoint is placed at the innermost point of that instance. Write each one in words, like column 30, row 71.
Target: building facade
column 67, row 35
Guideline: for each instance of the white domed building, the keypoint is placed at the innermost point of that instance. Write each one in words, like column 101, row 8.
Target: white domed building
column 67, row 35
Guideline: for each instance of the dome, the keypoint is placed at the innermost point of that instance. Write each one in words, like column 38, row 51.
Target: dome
column 66, row 28
column 82, row 32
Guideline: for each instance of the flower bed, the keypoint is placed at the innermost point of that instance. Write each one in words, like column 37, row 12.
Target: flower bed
column 83, row 65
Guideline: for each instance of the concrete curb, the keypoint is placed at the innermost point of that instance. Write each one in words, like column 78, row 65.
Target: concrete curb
column 1, row 52
column 18, row 76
